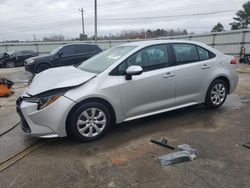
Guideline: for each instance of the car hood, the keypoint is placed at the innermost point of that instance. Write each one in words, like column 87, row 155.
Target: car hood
column 57, row 78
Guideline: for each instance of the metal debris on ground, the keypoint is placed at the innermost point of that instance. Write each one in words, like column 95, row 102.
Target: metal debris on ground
column 184, row 153
column 246, row 145
column 163, row 143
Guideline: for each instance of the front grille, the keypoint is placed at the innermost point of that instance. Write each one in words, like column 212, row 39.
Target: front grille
column 24, row 125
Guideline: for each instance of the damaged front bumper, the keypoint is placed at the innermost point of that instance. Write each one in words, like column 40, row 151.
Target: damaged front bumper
column 47, row 122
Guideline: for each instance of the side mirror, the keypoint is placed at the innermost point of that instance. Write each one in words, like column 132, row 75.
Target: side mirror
column 133, row 70
column 60, row 54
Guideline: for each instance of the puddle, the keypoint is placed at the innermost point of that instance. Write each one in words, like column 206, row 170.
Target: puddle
column 245, row 99
column 234, row 101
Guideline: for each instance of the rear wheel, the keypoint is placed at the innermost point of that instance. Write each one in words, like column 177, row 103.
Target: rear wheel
column 10, row 64
column 89, row 121
column 216, row 94
column 42, row 67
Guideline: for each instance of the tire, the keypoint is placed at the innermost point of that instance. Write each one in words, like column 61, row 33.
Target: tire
column 86, row 129
column 42, row 67
column 10, row 64
column 216, row 94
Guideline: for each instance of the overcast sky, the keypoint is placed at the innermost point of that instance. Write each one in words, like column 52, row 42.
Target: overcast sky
column 21, row 19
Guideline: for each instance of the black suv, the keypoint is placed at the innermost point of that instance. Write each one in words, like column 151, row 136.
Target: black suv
column 16, row 58
column 69, row 54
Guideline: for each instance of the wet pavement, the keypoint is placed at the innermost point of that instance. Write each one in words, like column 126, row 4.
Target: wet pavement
column 125, row 157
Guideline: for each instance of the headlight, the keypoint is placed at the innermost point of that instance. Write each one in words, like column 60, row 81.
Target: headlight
column 43, row 101
column 29, row 61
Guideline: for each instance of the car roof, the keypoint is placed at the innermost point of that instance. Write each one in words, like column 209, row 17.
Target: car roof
column 80, row 44
column 154, row 42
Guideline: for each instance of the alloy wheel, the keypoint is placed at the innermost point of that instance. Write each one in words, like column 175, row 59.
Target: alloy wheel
column 10, row 64
column 91, row 122
column 218, row 94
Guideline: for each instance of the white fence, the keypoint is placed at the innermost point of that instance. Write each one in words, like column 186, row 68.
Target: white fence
column 229, row 42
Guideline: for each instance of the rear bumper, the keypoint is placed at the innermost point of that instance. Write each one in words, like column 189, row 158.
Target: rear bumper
column 234, row 82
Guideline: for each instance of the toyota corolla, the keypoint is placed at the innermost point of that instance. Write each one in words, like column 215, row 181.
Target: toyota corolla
column 124, row 83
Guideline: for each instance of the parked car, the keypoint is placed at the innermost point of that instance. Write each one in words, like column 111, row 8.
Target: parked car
column 16, row 58
column 124, row 83
column 69, row 54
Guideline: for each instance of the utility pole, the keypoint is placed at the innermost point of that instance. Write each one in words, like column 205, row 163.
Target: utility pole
column 95, row 21
column 83, row 33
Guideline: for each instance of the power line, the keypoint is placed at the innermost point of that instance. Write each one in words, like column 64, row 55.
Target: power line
column 163, row 17
column 43, row 15
column 120, row 19
column 42, row 27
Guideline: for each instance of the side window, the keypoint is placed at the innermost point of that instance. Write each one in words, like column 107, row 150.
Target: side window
column 150, row 58
column 26, row 52
column 185, row 53
column 16, row 53
column 92, row 48
column 68, row 50
column 81, row 49
column 203, row 54
column 86, row 49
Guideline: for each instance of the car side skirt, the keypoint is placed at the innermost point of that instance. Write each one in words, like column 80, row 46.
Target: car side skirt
column 161, row 111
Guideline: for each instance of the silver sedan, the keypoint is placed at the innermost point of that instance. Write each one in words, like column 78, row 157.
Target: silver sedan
column 123, row 83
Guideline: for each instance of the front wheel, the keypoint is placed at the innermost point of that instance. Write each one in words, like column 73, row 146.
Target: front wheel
column 89, row 121
column 216, row 94
column 10, row 64
column 42, row 67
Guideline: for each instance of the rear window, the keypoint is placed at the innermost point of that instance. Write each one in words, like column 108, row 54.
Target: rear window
column 203, row 54
column 185, row 53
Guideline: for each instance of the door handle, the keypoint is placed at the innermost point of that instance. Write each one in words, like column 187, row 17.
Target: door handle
column 205, row 67
column 168, row 75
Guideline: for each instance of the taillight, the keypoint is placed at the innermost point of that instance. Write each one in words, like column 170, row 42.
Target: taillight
column 233, row 61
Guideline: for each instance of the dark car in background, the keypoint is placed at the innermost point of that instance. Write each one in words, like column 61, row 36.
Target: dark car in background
column 70, row 54
column 16, row 58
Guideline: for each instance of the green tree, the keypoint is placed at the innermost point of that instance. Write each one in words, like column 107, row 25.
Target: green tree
column 242, row 18
column 218, row 28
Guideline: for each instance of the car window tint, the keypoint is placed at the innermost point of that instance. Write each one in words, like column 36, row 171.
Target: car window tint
column 203, row 54
column 185, row 53
column 86, row 49
column 68, row 50
column 26, row 52
column 17, row 53
column 150, row 58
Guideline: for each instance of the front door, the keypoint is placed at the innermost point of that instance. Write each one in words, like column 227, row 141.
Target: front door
column 153, row 90
column 66, row 56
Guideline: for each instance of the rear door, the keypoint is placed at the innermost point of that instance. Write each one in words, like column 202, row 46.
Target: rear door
column 194, row 66
column 67, row 57
column 154, row 89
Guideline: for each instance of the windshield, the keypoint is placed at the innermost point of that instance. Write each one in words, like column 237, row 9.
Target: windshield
column 105, row 59
column 55, row 50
